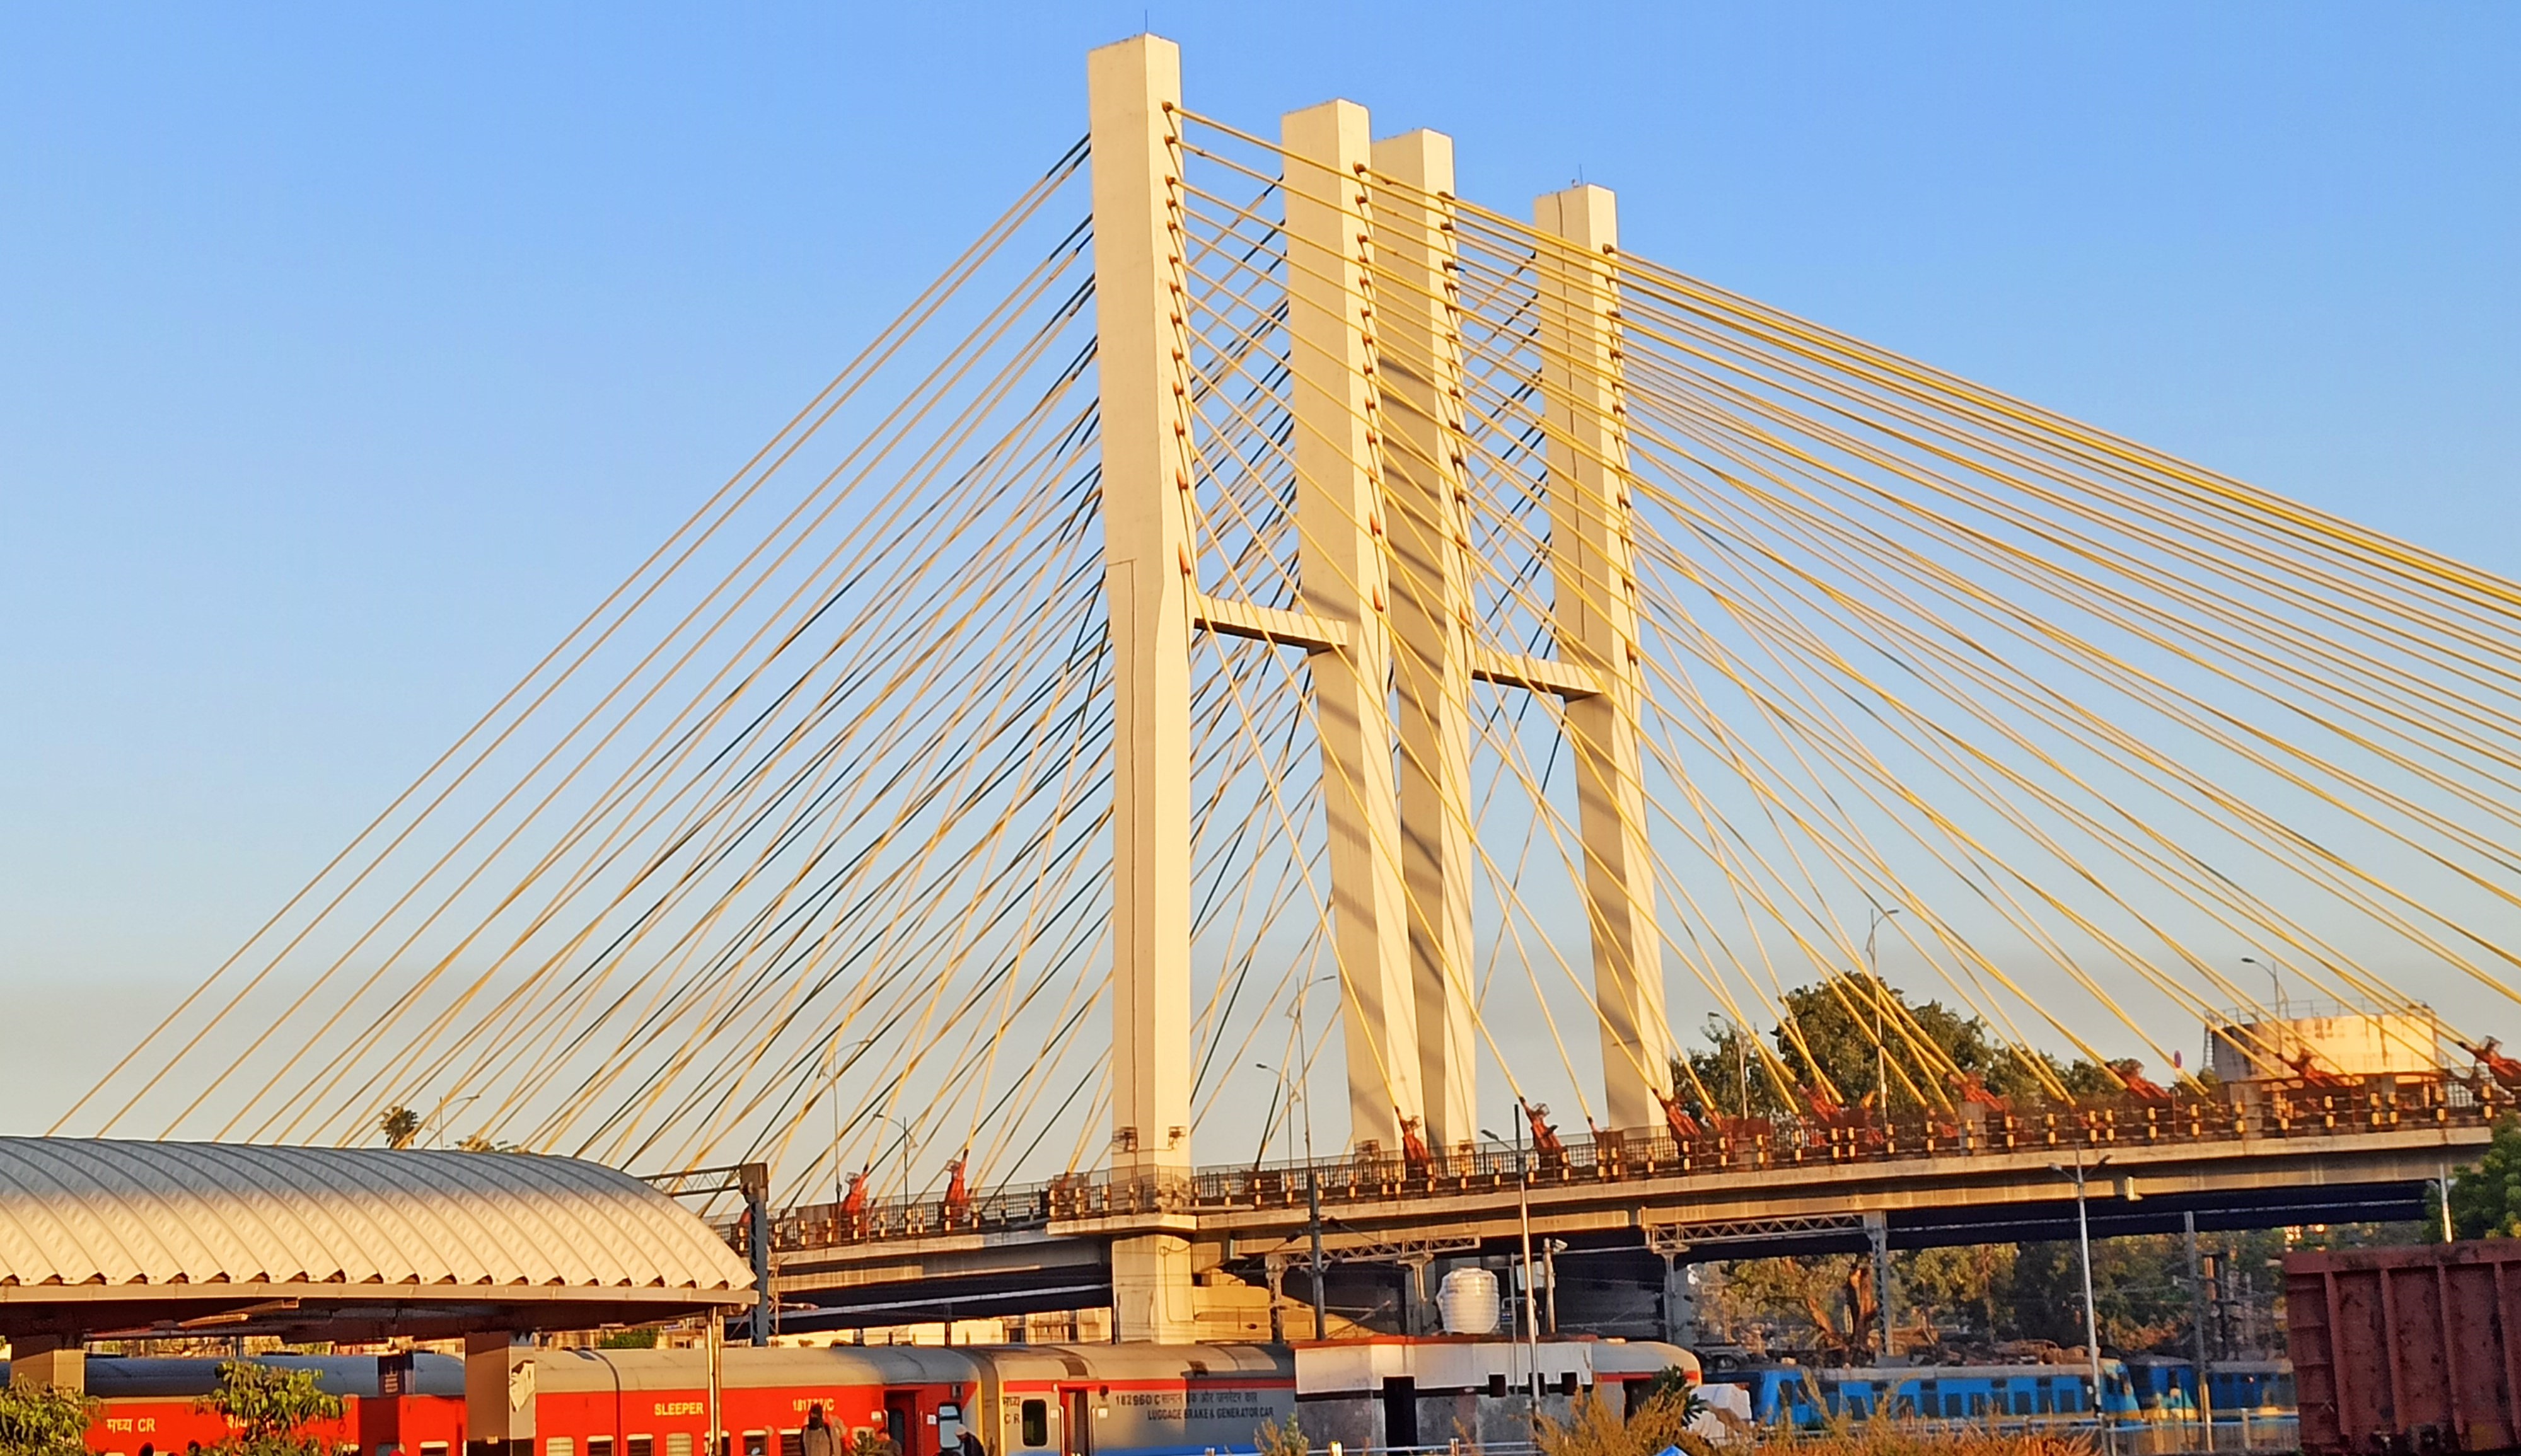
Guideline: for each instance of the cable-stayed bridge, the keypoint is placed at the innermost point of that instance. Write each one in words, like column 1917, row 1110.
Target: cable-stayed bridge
column 1265, row 637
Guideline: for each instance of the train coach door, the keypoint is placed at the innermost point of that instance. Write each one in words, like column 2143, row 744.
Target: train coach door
column 902, row 1421
column 1077, row 1421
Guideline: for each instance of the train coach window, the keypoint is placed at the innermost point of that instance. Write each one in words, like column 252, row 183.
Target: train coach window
column 1496, row 1385
column 641, row 1445
column 678, row 1443
column 790, row 1443
column 599, row 1445
column 432, row 1448
column 1037, row 1423
column 558, row 1445
column 756, row 1444
column 1567, row 1384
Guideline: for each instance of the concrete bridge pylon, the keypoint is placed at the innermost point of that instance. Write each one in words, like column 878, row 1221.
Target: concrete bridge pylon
column 1375, row 406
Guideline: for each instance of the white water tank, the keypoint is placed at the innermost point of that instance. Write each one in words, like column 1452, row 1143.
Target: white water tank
column 1468, row 1301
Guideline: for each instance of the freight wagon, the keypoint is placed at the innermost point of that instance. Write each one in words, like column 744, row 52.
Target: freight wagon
column 2407, row 1349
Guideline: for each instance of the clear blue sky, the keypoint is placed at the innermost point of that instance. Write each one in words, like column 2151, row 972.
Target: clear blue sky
column 347, row 353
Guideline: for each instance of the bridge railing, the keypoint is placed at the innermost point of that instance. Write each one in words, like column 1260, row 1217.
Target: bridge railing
column 2244, row 1111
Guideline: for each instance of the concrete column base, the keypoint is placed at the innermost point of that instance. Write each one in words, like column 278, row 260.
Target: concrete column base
column 498, row 1396
column 39, row 1361
column 1151, row 1290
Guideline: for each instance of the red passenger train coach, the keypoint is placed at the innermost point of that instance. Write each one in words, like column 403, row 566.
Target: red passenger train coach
column 1016, row 1400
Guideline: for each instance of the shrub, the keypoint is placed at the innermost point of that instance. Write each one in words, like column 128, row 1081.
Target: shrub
column 39, row 1421
column 1274, row 1439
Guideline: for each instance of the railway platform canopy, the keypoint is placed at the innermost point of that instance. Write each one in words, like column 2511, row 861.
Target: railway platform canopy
column 136, row 1240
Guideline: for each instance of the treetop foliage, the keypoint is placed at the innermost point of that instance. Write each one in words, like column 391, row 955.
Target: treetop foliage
column 1833, row 1027
column 2486, row 1199
column 400, row 1125
column 40, row 1420
column 268, row 1408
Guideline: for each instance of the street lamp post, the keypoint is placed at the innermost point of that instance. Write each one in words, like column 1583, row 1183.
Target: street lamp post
column 1717, row 1033
column 1523, row 1212
column 1881, row 1008
column 2275, row 982
column 2091, row 1316
column 839, row 1174
column 1303, row 1059
column 438, row 1116
column 1269, row 1119
column 903, row 1143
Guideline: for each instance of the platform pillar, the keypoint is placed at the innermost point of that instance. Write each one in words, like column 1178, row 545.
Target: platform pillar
column 1591, row 565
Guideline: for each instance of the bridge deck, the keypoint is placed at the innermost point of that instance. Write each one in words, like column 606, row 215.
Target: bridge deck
column 2285, row 1155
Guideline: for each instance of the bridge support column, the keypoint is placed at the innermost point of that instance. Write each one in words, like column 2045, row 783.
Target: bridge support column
column 1139, row 302
column 1877, row 1233
column 498, row 1412
column 1151, row 1290
column 1595, row 616
column 48, row 1361
column 1679, row 1304
column 1339, row 519
column 1418, row 371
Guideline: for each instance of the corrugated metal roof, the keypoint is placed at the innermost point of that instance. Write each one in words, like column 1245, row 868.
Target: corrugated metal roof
column 91, row 1211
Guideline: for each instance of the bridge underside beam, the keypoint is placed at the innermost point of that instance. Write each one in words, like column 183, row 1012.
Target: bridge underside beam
column 936, row 1300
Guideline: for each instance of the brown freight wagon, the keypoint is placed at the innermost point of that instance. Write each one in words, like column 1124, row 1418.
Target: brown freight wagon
column 2407, row 1349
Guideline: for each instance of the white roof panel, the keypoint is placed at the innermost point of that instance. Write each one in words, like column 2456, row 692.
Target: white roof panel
column 93, row 1210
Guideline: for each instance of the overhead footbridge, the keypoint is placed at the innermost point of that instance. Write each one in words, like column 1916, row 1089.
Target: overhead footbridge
column 1642, row 1205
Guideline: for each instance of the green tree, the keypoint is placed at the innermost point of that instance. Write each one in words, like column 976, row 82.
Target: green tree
column 268, row 1408
column 2486, row 1199
column 400, row 1125
column 642, row 1339
column 1833, row 1026
column 2139, row 1289
column 42, row 1420
column 1954, row 1292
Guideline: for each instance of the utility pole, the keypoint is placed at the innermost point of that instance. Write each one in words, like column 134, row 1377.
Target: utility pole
column 2197, row 1313
column 1312, row 1174
column 1522, row 1212
column 2091, row 1316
